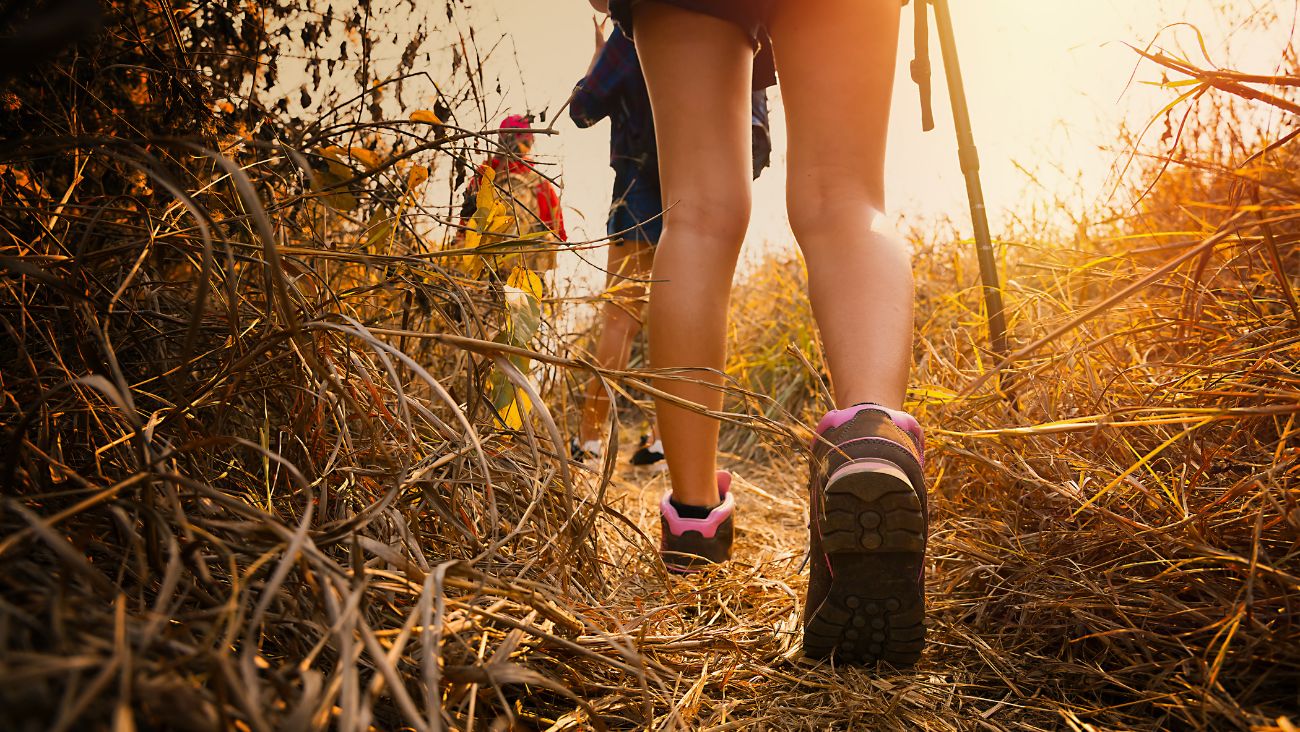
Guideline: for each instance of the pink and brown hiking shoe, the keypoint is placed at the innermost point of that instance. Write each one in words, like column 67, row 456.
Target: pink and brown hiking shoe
column 691, row 544
column 867, row 531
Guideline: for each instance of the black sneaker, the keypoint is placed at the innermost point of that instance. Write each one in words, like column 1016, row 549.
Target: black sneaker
column 585, row 452
column 649, row 454
column 867, row 534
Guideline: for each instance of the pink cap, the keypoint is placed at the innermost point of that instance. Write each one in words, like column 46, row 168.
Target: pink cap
column 515, row 120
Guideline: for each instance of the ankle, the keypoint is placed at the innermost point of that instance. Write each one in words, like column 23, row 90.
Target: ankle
column 697, row 499
column 890, row 404
column 706, row 498
column 692, row 511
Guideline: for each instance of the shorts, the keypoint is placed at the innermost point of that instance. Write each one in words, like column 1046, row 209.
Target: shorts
column 637, row 210
column 750, row 15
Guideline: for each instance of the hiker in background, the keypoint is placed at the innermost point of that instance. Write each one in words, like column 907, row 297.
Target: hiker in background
column 614, row 87
column 532, row 203
column 835, row 58
column 512, row 217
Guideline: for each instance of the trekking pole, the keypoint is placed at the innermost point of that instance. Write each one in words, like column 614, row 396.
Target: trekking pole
column 966, row 153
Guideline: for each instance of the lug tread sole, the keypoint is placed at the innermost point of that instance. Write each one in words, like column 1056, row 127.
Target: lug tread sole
column 873, row 531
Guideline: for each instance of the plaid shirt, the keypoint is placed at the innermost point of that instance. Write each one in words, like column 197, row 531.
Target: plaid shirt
column 616, row 89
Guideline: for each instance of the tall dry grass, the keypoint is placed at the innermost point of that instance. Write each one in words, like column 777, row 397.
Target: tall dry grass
column 255, row 475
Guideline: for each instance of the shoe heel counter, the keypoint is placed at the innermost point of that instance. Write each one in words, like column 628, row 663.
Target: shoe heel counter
column 865, row 420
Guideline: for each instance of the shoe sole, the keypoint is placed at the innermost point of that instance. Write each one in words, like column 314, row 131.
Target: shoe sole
column 873, row 533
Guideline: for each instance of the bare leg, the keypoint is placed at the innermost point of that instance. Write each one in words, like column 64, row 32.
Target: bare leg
column 835, row 59
column 698, row 69
column 620, row 320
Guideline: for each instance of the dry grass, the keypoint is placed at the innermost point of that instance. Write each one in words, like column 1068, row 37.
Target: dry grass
column 253, row 475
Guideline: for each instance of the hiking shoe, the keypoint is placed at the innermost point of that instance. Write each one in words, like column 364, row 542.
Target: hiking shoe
column 691, row 544
column 867, row 535
column 649, row 454
column 585, row 452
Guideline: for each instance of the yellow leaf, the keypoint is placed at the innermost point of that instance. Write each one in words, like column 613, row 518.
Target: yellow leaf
column 512, row 417
column 368, row 158
column 424, row 115
column 329, row 183
column 511, row 404
column 487, row 195
column 523, row 294
column 418, row 175
column 527, row 281
column 379, row 229
column 500, row 221
column 491, row 215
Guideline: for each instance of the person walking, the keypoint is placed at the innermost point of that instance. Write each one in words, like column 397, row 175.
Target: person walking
column 532, row 203
column 512, row 217
column 868, row 511
column 614, row 88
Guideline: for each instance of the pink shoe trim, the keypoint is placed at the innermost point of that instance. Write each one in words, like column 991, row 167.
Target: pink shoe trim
column 707, row 527
column 902, row 420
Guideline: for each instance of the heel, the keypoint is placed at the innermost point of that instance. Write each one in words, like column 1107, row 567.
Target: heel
column 873, row 536
column 871, row 506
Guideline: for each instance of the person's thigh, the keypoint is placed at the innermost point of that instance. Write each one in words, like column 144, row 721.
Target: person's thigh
column 749, row 15
column 698, row 71
column 835, row 61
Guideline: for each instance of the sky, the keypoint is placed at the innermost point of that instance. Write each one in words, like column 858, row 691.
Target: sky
column 1049, row 83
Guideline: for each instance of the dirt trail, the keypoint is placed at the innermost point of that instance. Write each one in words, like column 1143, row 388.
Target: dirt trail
column 733, row 633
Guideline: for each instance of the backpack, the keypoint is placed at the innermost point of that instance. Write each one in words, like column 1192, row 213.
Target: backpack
column 519, row 189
